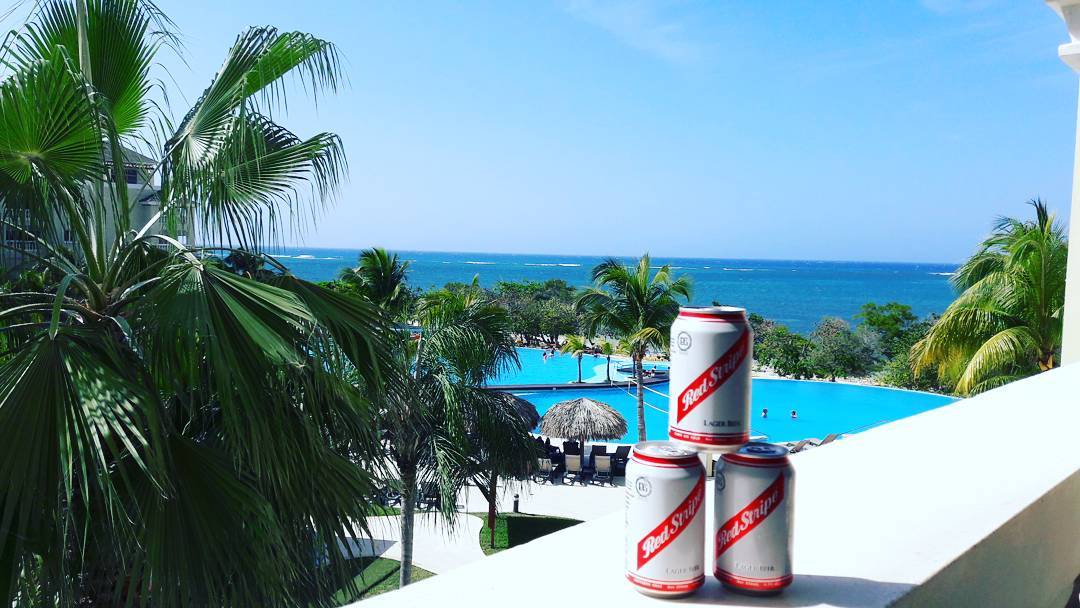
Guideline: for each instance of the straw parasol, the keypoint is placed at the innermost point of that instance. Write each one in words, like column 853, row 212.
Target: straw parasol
column 584, row 419
column 525, row 410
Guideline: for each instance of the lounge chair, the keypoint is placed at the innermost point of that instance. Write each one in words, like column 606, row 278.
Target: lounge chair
column 603, row 470
column 574, row 470
column 545, row 471
column 597, row 450
column 831, row 437
column 571, row 447
column 428, row 496
column 619, row 460
column 804, row 444
column 387, row 496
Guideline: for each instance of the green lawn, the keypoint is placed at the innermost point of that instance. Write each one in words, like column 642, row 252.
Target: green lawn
column 513, row 529
column 376, row 575
column 380, row 510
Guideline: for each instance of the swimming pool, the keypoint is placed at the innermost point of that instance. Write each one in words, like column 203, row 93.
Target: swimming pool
column 560, row 368
column 823, row 407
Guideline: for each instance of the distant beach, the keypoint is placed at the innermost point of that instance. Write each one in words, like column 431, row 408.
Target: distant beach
column 796, row 293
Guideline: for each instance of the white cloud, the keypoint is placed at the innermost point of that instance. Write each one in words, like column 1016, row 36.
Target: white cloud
column 647, row 25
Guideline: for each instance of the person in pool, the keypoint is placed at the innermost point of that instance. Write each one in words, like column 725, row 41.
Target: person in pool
column 794, row 415
column 764, row 412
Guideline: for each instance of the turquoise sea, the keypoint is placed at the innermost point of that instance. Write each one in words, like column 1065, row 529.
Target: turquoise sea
column 796, row 293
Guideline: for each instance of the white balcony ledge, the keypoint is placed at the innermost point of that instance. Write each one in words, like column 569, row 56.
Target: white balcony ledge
column 972, row 504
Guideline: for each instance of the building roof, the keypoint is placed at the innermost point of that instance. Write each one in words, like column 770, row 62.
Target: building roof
column 131, row 157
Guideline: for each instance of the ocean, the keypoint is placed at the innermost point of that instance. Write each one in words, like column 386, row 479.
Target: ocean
column 796, row 293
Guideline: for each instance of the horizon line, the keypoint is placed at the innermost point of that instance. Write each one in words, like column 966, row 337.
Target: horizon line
column 592, row 255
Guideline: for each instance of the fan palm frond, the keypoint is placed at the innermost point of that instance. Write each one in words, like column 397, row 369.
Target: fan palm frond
column 1006, row 323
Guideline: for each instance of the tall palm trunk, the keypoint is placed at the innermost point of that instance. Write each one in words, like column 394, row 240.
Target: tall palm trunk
column 408, row 514
column 609, row 369
column 579, row 369
column 492, row 511
column 638, row 373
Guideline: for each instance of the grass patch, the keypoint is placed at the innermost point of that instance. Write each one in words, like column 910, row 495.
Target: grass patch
column 513, row 529
column 376, row 575
column 382, row 511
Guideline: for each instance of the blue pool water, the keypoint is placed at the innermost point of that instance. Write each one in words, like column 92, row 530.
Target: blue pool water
column 823, row 407
column 560, row 368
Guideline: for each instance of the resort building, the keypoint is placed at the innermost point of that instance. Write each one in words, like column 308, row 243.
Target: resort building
column 143, row 192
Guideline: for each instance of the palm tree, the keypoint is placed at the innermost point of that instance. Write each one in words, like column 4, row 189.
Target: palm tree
column 607, row 349
column 380, row 276
column 637, row 305
column 501, row 446
column 575, row 346
column 1006, row 323
column 173, row 433
column 442, row 415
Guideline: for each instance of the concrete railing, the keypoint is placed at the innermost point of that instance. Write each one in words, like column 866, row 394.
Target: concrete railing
column 973, row 504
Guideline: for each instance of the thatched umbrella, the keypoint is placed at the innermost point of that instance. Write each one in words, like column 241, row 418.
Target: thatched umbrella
column 583, row 418
column 525, row 410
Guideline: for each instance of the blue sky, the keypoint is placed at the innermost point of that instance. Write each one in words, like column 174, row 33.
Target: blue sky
column 891, row 130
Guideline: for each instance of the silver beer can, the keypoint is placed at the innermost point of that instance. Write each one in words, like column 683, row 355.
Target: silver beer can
column 753, row 511
column 665, row 525
column 711, row 360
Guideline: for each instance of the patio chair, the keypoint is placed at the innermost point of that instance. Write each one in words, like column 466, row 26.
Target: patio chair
column 574, row 470
column 597, row 450
column 428, row 497
column 387, row 495
column 619, row 460
column 571, row 447
column 545, row 471
column 603, row 470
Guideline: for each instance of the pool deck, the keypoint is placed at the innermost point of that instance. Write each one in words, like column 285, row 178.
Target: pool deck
column 572, row 385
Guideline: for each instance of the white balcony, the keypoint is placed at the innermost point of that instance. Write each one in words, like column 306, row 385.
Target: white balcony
column 972, row 504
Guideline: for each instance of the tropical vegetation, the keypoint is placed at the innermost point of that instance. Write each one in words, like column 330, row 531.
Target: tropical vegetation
column 577, row 347
column 607, row 350
column 439, row 426
column 540, row 312
column 876, row 347
column 379, row 276
column 836, row 350
column 1006, row 323
column 177, row 430
column 637, row 305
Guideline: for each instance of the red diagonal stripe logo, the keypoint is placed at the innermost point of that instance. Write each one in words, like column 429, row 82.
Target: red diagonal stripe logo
column 713, row 377
column 752, row 514
column 670, row 529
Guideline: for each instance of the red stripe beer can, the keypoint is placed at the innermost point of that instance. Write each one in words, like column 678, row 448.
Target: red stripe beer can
column 665, row 523
column 753, row 513
column 711, row 359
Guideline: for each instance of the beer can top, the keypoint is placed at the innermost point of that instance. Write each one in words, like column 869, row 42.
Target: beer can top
column 717, row 313
column 665, row 451
column 760, row 453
